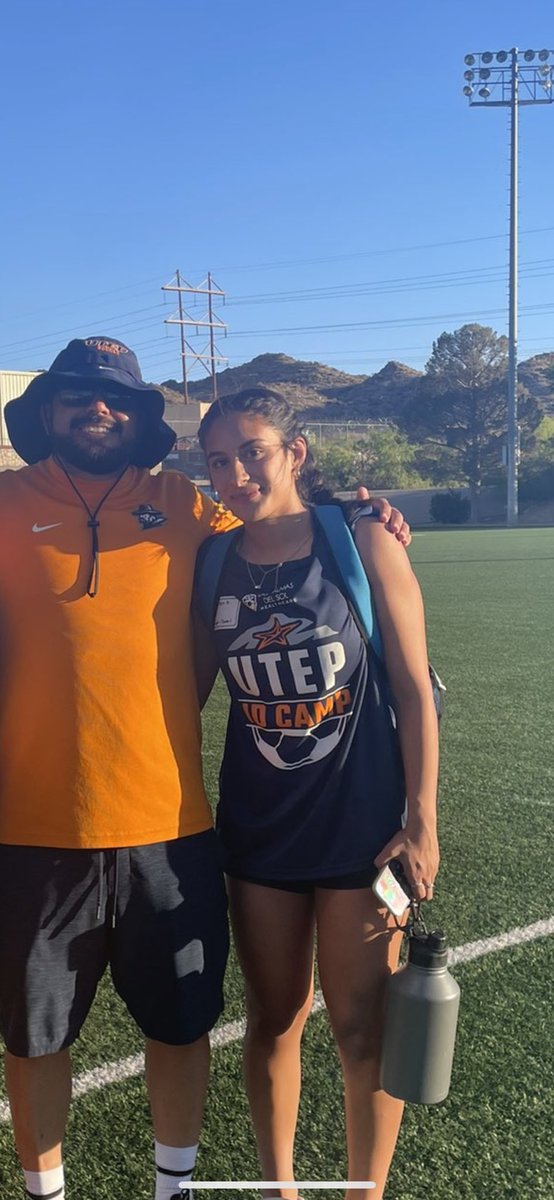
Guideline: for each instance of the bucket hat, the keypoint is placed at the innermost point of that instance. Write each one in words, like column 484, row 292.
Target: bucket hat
column 86, row 361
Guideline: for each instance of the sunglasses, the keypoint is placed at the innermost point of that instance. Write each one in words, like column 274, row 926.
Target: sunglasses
column 120, row 401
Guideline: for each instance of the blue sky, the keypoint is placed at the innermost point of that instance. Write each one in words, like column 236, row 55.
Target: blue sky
column 288, row 146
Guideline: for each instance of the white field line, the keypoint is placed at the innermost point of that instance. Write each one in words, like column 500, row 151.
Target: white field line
column 531, row 803
column 126, row 1068
column 528, row 801
column 276, row 1183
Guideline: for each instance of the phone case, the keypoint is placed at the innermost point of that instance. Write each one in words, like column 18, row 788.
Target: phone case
column 390, row 891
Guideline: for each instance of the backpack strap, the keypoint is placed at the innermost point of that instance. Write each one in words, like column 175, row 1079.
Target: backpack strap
column 341, row 544
column 332, row 523
column 210, row 561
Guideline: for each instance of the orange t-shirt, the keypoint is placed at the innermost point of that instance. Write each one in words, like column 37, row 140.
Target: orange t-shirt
column 99, row 722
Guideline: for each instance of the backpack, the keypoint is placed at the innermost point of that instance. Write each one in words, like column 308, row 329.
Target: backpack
column 331, row 523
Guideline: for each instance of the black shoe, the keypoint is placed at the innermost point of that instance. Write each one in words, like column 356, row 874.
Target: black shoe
column 183, row 1194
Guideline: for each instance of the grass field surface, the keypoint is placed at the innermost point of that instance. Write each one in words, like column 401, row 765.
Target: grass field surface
column 490, row 612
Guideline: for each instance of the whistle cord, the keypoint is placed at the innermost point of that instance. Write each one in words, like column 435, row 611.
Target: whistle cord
column 93, row 524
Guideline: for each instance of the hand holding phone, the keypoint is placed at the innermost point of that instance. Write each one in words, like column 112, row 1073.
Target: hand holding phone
column 392, row 887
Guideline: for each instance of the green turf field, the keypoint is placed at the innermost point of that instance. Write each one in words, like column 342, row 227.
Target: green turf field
column 489, row 599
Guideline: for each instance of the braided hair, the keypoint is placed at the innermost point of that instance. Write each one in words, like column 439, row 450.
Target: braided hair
column 264, row 402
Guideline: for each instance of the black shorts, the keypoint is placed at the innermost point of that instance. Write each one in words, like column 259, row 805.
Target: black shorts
column 157, row 915
column 339, row 883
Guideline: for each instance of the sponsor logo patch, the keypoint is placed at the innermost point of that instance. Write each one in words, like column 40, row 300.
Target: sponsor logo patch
column 251, row 601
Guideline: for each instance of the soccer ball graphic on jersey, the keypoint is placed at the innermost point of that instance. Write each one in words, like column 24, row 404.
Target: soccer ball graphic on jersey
column 295, row 728
column 292, row 748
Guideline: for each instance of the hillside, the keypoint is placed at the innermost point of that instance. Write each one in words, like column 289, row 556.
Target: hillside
column 323, row 393
column 303, row 383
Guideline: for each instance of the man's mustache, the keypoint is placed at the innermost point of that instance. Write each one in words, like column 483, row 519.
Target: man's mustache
column 81, row 422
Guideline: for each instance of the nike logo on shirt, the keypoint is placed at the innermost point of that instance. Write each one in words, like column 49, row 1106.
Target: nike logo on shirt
column 41, row 528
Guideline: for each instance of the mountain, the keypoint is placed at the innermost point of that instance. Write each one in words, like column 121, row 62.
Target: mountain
column 303, row 383
column 322, row 393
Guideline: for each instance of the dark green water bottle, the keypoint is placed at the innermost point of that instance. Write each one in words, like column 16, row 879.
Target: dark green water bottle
column 421, row 1016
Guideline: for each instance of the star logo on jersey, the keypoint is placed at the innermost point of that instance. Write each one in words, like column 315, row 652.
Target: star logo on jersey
column 277, row 635
column 148, row 516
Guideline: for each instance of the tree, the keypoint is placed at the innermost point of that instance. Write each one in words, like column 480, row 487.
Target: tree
column 537, row 467
column 461, row 402
column 384, row 459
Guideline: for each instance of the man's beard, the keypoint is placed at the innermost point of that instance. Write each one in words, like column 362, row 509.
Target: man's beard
column 93, row 455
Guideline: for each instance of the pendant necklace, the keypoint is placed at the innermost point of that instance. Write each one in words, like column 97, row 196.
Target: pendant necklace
column 274, row 569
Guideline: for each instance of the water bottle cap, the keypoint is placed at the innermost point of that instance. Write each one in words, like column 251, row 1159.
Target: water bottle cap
column 428, row 951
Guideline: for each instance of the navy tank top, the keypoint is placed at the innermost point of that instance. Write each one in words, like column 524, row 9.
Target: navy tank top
column 311, row 782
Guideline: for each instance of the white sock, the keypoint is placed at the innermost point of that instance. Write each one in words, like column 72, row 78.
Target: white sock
column 174, row 1166
column 45, row 1183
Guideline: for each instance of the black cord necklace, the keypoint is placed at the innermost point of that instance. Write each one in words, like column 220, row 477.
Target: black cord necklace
column 93, row 524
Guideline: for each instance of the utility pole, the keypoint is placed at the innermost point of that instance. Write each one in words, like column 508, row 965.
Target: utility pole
column 510, row 78
column 208, row 356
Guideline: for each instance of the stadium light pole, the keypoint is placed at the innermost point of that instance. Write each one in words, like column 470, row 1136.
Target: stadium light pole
column 507, row 79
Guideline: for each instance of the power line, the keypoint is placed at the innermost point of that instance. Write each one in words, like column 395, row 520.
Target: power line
column 261, row 266
column 420, row 282
column 394, row 323
column 35, row 342
column 302, row 262
column 473, row 275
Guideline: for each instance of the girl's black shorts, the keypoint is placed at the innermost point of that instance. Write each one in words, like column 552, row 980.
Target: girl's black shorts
column 351, row 881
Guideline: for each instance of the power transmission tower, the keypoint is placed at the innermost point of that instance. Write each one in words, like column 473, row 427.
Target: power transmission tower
column 208, row 356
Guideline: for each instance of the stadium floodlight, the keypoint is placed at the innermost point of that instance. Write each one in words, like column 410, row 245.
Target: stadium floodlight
column 469, row 75
column 519, row 79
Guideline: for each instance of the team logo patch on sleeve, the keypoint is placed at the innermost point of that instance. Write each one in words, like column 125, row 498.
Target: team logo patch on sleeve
column 148, row 516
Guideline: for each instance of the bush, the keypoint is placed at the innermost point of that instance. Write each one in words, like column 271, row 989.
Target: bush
column 450, row 508
column 538, row 487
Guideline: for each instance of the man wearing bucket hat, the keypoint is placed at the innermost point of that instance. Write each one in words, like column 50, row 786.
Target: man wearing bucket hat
column 100, row 741
column 107, row 852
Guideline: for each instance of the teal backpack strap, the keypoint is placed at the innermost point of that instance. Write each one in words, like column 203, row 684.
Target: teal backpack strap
column 209, row 566
column 342, row 546
column 332, row 522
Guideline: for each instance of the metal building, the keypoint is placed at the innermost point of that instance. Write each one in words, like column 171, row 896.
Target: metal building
column 12, row 384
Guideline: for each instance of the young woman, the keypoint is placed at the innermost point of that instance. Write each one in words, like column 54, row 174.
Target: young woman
column 318, row 789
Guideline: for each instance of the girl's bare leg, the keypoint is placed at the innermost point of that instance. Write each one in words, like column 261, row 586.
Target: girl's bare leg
column 274, row 935
column 358, row 947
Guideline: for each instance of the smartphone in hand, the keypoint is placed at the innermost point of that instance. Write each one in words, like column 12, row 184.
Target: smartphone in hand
column 392, row 888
